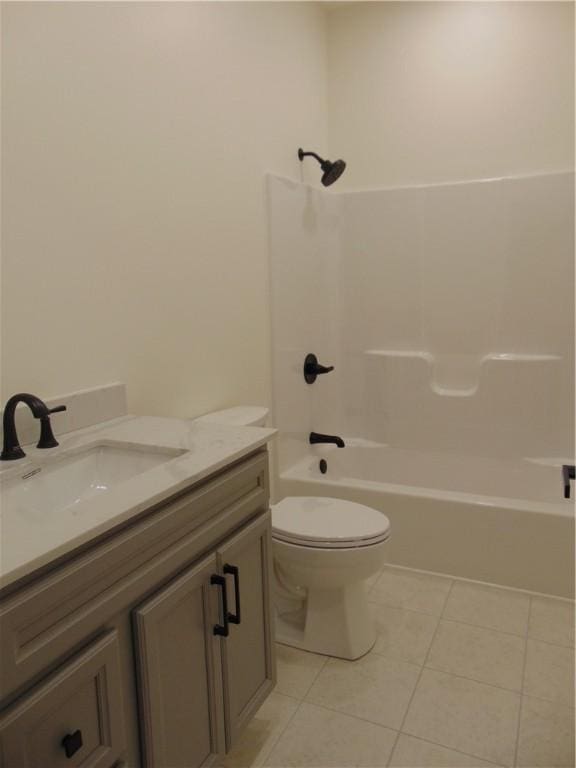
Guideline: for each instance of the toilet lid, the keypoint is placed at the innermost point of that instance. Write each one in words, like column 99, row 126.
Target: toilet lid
column 323, row 522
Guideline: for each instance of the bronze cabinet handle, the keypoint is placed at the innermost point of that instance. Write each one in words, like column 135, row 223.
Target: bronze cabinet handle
column 234, row 618
column 221, row 629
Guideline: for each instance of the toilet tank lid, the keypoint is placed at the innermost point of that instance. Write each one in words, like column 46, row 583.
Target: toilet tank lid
column 240, row 416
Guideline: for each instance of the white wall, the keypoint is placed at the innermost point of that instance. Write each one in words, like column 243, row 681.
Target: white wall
column 305, row 225
column 421, row 92
column 136, row 137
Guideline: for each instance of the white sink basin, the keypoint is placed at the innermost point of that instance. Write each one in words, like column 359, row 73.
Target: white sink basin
column 60, row 484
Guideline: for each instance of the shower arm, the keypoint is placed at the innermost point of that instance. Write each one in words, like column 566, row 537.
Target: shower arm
column 302, row 155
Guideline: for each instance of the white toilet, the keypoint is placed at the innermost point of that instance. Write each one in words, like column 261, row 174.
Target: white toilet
column 324, row 550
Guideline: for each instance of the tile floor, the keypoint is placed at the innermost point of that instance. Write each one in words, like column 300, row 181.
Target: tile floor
column 461, row 675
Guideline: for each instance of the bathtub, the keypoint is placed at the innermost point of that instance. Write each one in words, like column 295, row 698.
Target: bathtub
column 501, row 521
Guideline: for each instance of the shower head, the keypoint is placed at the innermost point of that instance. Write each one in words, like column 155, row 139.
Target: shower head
column 331, row 171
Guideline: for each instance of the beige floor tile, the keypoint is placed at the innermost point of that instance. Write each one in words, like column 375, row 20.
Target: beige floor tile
column 490, row 607
column 546, row 737
column 404, row 635
column 480, row 654
column 465, row 715
column 296, row 670
column 552, row 621
column 415, row 753
column 373, row 688
column 318, row 738
column 262, row 732
column 549, row 672
column 411, row 590
column 372, row 580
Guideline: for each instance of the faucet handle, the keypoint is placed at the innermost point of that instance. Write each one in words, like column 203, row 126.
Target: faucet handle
column 57, row 409
column 312, row 368
column 568, row 473
column 47, row 439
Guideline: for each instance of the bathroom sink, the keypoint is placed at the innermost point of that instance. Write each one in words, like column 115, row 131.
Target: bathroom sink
column 52, row 486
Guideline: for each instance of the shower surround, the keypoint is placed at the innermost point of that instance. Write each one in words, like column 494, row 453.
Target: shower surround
column 447, row 311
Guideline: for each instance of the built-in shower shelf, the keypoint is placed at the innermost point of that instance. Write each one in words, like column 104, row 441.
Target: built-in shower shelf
column 459, row 375
column 521, row 358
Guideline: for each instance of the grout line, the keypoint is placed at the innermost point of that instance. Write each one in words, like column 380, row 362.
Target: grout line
column 361, row 719
column 547, row 642
column 459, row 621
column 469, row 624
column 517, row 743
column 411, row 610
column 487, row 629
column 519, row 635
column 333, row 711
column 488, row 584
column 557, row 704
column 320, row 669
column 419, row 677
column 400, row 733
column 447, row 597
column 325, row 660
column 451, row 749
column 268, row 752
column 526, row 636
column 527, row 593
column 474, row 680
column 286, row 695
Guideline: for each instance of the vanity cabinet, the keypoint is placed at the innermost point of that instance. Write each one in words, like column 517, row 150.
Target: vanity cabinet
column 153, row 646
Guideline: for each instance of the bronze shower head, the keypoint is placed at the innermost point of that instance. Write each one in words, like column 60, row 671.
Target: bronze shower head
column 331, row 171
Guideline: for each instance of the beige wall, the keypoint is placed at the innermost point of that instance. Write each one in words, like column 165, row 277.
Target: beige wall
column 135, row 142
column 136, row 137
column 440, row 91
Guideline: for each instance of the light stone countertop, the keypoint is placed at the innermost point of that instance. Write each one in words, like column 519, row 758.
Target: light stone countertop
column 32, row 539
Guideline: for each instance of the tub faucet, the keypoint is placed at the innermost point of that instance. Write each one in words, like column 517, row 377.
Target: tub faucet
column 40, row 410
column 316, row 437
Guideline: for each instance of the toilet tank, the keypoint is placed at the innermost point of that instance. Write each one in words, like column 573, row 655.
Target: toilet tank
column 240, row 416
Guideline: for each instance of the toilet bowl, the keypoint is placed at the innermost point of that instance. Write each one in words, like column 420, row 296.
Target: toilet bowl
column 324, row 551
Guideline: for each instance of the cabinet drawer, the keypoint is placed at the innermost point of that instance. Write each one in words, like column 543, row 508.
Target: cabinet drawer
column 44, row 622
column 76, row 711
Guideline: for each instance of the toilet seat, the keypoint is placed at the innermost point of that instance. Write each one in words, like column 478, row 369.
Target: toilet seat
column 326, row 523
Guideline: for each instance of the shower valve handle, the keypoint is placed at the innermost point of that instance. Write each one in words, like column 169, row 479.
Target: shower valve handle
column 312, row 368
column 568, row 473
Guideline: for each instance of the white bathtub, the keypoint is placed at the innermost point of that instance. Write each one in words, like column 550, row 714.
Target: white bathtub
column 501, row 521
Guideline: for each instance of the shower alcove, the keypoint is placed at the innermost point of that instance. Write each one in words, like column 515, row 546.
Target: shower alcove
column 447, row 312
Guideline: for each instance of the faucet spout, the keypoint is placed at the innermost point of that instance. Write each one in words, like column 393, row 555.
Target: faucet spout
column 11, row 448
column 317, row 437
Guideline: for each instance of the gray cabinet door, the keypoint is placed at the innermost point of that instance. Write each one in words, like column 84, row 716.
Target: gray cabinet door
column 180, row 686
column 248, row 663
